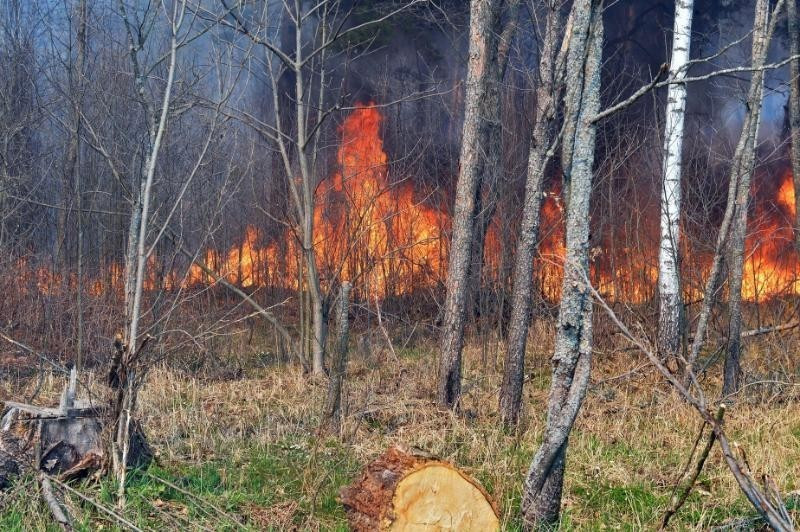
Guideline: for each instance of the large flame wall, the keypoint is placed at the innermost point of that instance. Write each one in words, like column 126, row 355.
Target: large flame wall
column 387, row 237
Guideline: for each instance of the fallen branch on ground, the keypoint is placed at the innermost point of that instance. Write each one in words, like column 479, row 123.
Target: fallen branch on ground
column 769, row 507
column 55, row 507
column 685, row 484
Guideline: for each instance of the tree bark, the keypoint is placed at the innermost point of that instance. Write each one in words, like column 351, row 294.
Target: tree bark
column 547, row 95
column 73, row 151
column 794, row 109
column 541, row 498
column 484, row 19
column 744, row 168
column 669, row 288
column 333, row 412
column 490, row 181
column 741, row 168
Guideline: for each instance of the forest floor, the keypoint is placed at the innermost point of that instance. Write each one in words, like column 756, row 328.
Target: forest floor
column 244, row 451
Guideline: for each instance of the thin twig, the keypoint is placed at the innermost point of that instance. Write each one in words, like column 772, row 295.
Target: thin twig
column 679, row 494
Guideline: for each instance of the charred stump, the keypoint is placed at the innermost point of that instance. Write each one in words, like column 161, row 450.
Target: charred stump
column 66, row 440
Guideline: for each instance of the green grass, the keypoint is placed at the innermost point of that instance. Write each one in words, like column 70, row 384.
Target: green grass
column 302, row 476
column 246, row 449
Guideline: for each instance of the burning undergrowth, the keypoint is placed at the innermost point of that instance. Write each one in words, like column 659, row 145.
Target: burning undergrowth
column 385, row 234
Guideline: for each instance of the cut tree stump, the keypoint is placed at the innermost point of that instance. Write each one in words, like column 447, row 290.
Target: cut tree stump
column 404, row 491
column 66, row 440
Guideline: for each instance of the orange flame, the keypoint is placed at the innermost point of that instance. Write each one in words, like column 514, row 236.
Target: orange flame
column 771, row 265
column 379, row 232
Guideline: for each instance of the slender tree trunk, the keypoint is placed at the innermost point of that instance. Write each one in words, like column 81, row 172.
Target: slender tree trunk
column 741, row 169
column 483, row 39
column 61, row 225
column 547, row 95
column 73, row 151
column 319, row 313
column 136, row 260
column 490, row 181
column 761, row 34
column 541, row 498
column 794, row 110
column 333, row 405
column 669, row 288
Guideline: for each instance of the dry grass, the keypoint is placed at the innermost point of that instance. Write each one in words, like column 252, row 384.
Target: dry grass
column 248, row 446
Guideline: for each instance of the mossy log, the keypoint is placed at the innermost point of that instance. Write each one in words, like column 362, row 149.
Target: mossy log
column 404, row 491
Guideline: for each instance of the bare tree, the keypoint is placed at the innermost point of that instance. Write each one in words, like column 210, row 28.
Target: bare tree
column 492, row 179
column 548, row 92
column 19, row 114
column 741, row 175
column 130, row 367
column 72, row 171
column 333, row 405
column 794, row 108
column 669, row 287
column 541, row 500
column 299, row 114
column 481, row 87
column 734, row 222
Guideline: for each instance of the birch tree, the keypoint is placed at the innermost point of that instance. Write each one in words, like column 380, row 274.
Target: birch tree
column 669, row 290
column 541, row 500
column 548, row 93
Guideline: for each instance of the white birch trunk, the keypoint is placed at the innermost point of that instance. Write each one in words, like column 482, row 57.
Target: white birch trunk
column 668, row 273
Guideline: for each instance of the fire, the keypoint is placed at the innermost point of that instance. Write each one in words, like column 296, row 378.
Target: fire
column 771, row 265
column 380, row 232
column 367, row 229
column 375, row 232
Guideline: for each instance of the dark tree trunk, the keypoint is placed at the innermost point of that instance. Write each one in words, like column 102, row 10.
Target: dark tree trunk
column 547, row 95
column 491, row 180
column 794, row 110
column 333, row 405
column 483, row 38
column 72, row 173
